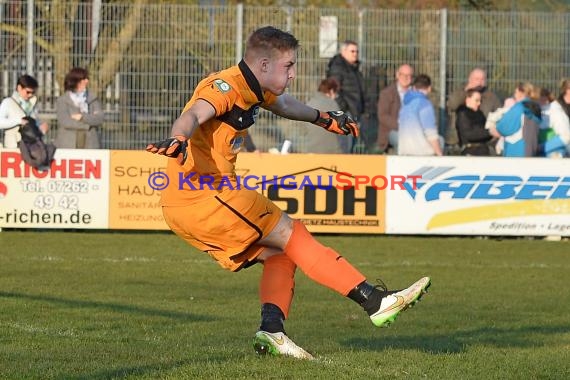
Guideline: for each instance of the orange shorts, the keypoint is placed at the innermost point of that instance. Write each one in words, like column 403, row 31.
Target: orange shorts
column 226, row 226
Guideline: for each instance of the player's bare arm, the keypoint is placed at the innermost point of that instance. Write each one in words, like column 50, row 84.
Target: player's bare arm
column 333, row 121
column 182, row 129
column 291, row 108
column 189, row 120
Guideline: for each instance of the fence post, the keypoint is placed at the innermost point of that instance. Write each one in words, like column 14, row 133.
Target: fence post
column 289, row 20
column 442, row 71
column 96, row 24
column 239, row 32
column 30, row 39
column 362, row 54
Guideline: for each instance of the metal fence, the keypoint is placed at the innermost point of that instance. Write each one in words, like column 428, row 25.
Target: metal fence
column 145, row 59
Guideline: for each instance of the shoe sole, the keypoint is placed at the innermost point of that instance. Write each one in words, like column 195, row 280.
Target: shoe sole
column 390, row 319
column 264, row 346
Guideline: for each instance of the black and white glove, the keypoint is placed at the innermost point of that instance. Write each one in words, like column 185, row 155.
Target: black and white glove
column 337, row 122
column 175, row 147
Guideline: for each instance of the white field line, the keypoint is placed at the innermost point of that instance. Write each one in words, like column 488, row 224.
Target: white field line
column 128, row 259
column 379, row 264
column 39, row 330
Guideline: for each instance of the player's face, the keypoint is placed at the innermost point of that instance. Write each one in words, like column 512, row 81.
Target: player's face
column 279, row 71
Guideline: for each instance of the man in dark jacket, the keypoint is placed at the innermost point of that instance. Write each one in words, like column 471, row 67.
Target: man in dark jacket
column 344, row 67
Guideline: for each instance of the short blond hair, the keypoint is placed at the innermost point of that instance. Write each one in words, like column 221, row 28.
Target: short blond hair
column 529, row 90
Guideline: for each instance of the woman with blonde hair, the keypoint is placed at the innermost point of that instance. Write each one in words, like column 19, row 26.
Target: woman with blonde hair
column 521, row 123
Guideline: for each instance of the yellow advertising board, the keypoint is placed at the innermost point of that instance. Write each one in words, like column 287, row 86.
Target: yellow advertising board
column 329, row 193
column 133, row 203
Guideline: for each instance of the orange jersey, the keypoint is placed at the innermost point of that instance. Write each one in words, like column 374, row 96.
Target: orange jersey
column 236, row 96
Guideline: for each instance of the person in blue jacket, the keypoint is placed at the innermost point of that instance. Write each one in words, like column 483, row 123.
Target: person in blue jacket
column 520, row 125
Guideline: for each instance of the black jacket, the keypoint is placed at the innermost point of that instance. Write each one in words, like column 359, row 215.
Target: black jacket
column 472, row 133
column 351, row 96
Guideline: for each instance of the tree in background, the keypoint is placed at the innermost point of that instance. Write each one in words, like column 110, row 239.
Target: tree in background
column 56, row 25
column 497, row 5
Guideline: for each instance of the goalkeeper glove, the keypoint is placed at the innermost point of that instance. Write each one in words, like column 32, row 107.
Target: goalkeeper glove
column 337, row 122
column 175, row 147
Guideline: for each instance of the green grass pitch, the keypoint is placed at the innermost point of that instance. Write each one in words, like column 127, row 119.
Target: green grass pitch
column 101, row 305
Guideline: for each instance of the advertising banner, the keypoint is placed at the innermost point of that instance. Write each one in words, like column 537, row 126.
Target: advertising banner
column 329, row 193
column 73, row 193
column 480, row 196
column 328, row 36
column 133, row 203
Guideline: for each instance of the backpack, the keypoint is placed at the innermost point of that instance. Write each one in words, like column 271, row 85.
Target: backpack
column 35, row 152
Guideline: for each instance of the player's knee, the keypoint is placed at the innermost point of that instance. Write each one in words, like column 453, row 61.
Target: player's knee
column 268, row 252
column 280, row 234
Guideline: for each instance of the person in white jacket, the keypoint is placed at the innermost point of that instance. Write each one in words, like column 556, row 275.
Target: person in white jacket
column 14, row 108
column 559, row 145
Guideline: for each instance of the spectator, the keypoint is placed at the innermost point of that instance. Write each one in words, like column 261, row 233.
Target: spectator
column 375, row 82
column 22, row 103
column 520, row 124
column 417, row 134
column 489, row 102
column 318, row 140
column 558, row 145
column 545, row 101
column 389, row 103
column 493, row 117
column 544, row 132
column 470, row 123
column 79, row 113
column 345, row 68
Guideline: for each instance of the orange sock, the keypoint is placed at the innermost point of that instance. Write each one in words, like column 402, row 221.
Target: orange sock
column 320, row 263
column 278, row 282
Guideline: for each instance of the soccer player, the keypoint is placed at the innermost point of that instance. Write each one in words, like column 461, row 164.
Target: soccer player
column 240, row 227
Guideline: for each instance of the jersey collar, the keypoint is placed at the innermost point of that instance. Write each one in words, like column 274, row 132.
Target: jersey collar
column 251, row 80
